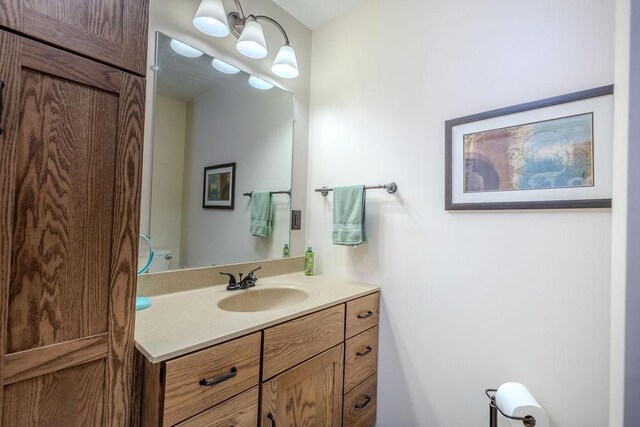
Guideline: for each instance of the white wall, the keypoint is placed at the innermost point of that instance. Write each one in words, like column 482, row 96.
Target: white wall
column 257, row 135
column 470, row 300
column 171, row 116
column 174, row 19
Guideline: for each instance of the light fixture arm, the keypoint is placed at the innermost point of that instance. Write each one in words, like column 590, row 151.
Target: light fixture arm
column 276, row 24
column 239, row 18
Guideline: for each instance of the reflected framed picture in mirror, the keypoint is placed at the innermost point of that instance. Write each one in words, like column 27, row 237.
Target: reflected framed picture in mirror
column 219, row 186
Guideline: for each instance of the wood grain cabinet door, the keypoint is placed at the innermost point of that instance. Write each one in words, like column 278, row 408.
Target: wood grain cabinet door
column 70, row 167
column 309, row 394
column 112, row 31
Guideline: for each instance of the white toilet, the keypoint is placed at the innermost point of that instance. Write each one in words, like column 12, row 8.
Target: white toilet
column 161, row 261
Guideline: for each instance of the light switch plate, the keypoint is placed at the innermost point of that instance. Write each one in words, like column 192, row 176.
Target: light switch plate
column 296, row 220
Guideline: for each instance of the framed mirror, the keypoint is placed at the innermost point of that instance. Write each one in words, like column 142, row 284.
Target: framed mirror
column 219, row 136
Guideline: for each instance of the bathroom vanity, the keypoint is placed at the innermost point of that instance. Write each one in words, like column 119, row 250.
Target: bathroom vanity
column 294, row 350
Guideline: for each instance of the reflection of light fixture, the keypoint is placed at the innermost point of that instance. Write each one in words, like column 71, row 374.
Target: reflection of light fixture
column 184, row 49
column 223, row 67
column 248, row 31
column 211, row 18
column 258, row 83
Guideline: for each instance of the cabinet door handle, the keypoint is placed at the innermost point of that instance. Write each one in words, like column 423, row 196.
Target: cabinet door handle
column 1, row 103
column 364, row 353
column 272, row 419
column 219, row 379
column 366, row 316
column 367, row 399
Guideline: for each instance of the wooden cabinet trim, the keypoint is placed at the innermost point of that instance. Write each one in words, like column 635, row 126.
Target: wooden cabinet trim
column 9, row 73
column 44, row 360
column 68, row 66
column 124, row 252
column 292, row 342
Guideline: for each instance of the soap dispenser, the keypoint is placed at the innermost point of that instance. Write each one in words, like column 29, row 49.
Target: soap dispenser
column 285, row 250
column 309, row 262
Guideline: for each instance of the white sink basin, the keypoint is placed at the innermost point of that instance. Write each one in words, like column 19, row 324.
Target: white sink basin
column 263, row 299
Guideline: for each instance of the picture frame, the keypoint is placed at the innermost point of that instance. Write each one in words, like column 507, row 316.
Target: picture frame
column 554, row 153
column 219, row 186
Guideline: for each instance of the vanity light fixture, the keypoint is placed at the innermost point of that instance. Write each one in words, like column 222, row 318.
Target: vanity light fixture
column 248, row 30
column 184, row 49
column 258, row 83
column 223, row 67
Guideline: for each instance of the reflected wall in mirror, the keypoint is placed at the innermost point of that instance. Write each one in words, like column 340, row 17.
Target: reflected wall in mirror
column 204, row 117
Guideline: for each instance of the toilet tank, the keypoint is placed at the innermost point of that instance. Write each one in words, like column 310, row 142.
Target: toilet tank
column 161, row 261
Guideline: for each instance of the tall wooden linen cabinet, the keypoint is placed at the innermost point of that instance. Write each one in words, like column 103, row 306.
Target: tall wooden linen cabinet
column 72, row 98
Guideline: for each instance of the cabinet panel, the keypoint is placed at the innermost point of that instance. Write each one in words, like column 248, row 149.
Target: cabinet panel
column 236, row 364
column 113, row 31
column 362, row 314
column 74, row 397
column 308, row 394
column 239, row 411
column 360, row 404
column 361, row 358
column 293, row 342
column 70, row 178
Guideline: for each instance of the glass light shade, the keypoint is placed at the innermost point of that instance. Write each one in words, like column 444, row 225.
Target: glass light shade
column 211, row 19
column 184, row 49
column 259, row 83
column 251, row 43
column 223, row 67
column 286, row 65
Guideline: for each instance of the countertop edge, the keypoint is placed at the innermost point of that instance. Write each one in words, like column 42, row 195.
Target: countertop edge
column 254, row 328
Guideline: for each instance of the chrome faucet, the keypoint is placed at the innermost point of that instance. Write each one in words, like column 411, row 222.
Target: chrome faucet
column 246, row 283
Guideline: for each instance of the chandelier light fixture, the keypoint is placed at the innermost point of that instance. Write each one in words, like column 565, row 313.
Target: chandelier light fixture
column 212, row 19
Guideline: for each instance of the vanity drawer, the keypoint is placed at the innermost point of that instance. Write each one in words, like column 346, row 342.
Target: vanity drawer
column 239, row 411
column 360, row 404
column 295, row 341
column 231, row 368
column 361, row 358
column 362, row 314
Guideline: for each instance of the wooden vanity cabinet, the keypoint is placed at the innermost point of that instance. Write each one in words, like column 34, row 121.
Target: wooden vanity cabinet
column 300, row 372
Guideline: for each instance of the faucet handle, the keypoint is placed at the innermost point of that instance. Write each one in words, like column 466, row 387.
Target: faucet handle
column 253, row 271
column 251, row 278
column 232, row 281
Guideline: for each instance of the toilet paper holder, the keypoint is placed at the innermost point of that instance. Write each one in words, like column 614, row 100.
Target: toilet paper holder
column 528, row 421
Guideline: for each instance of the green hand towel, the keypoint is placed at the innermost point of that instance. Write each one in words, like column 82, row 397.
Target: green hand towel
column 348, row 215
column 261, row 213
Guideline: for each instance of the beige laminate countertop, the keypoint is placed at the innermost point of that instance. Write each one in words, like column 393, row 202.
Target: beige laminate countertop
column 183, row 322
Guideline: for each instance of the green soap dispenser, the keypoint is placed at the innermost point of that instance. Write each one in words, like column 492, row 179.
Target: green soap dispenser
column 309, row 262
column 285, row 250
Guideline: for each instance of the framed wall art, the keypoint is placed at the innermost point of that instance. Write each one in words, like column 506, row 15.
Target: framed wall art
column 219, row 186
column 555, row 153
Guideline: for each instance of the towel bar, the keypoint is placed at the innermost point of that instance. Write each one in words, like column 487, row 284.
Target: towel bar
column 391, row 188
column 249, row 194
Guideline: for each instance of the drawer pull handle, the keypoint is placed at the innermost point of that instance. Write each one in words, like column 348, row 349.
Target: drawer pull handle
column 219, row 379
column 364, row 353
column 1, row 103
column 367, row 399
column 272, row 419
column 366, row 316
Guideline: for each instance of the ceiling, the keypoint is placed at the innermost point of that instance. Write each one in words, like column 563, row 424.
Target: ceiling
column 315, row 13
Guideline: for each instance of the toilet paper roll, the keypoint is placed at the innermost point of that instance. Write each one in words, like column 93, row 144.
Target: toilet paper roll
column 515, row 400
